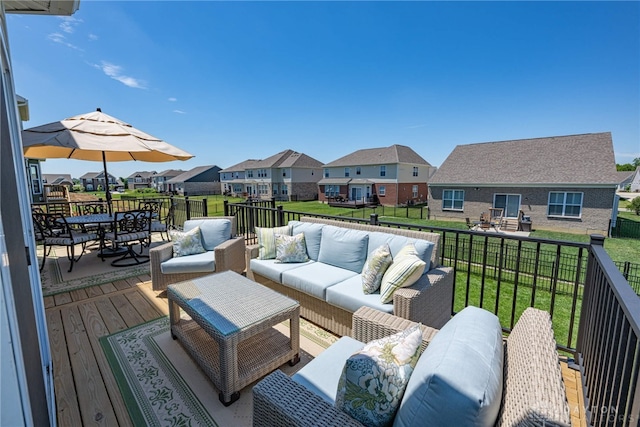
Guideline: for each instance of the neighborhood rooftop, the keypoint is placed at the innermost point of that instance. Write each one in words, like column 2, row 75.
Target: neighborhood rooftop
column 380, row 156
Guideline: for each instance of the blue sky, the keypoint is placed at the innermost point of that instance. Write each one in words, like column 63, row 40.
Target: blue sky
column 229, row 81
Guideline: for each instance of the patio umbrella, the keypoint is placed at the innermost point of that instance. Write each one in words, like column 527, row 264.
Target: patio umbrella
column 99, row 137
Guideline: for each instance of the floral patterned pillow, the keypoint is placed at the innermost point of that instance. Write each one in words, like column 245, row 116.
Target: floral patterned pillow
column 267, row 240
column 186, row 243
column 375, row 266
column 291, row 248
column 374, row 379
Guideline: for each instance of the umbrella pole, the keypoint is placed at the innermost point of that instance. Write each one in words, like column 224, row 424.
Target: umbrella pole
column 106, row 180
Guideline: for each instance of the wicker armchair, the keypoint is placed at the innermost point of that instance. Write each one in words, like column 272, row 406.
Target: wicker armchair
column 229, row 255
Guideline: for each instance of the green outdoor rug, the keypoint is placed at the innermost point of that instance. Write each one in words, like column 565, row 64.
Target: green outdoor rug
column 162, row 386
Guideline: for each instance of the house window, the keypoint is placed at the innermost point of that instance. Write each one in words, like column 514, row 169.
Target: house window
column 383, row 170
column 565, row 204
column 347, row 172
column 331, row 190
column 415, row 171
column 285, row 189
column 414, row 191
column 453, row 200
column 326, row 173
column 262, row 173
column 275, row 189
column 358, row 170
column 249, row 174
column 382, row 190
column 263, row 189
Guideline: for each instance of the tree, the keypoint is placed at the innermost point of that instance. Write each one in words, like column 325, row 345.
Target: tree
column 635, row 205
column 627, row 167
column 636, row 162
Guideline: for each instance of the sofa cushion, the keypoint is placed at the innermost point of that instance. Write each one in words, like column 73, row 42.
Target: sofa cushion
column 348, row 295
column 186, row 242
column 312, row 236
column 198, row 263
column 404, row 271
column 321, row 376
column 272, row 269
column 344, row 248
column 212, row 231
column 396, row 243
column 314, row 278
column 267, row 240
column 534, row 392
column 458, row 379
column 374, row 379
column 374, row 268
column 291, row 248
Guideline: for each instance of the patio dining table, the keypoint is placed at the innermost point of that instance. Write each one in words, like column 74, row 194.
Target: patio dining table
column 100, row 220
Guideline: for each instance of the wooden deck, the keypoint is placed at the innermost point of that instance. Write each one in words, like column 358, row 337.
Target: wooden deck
column 85, row 389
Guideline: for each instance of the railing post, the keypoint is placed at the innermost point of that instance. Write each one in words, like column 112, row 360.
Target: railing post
column 587, row 293
column 226, row 207
column 187, row 207
column 205, row 209
column 373, row 219
column 280, row 216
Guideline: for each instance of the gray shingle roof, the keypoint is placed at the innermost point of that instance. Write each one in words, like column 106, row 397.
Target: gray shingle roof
column 52, row 178
column 239, row 167
column 380, row 156
column 572, row 159
column 283, row 159
column 142, row 174
column 170, row 172
column 183, row 177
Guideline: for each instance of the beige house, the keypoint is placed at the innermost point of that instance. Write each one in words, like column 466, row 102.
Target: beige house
column 563, row 183
column 394, row 175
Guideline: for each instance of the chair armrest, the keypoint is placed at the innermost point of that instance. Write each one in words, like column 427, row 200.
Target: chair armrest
column 370, row 324
column 280, row 401
column 230, row 255
column 158, row 255
column 429, row 300
column 251, row 252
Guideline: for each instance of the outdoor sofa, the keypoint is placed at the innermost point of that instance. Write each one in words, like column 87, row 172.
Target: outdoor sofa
column 329, row 285
column 223, row 251
column 467, row 376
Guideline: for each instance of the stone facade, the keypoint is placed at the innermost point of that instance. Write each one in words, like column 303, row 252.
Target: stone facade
column 303, row 191
column 597, row 207
column 201, row 188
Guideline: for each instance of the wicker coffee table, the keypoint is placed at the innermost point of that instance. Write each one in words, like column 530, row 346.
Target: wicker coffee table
column 230, row 334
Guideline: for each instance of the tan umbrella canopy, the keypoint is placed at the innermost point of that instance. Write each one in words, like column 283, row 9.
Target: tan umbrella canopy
column 99, row 137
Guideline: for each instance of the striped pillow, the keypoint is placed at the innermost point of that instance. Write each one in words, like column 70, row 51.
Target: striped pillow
column 406, row 269
column 267, row 240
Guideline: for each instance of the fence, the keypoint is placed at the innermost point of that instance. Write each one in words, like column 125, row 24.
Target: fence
column 626, row 228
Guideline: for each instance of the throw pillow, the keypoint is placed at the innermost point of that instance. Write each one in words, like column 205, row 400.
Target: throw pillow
column 374, row 268
column 405, row 270
column 291, row 248
column 374, row 379
column 186, row 242
column 267, row 240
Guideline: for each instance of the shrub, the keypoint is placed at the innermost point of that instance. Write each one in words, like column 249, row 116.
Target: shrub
column 634, row 205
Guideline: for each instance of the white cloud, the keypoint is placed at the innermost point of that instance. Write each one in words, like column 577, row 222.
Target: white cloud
column 60, row 38
column 115, row 72
column 179, row 112
column 172, row 99
column 69, row 24
column 93, row 37
column 628, row 155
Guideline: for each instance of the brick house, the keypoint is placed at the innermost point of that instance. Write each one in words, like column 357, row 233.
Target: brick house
column 393, row 175
column 563, row 183
column 139, row 180
column 93, row 181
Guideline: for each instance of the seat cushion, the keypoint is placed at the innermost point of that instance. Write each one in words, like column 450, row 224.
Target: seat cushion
column 312, row 236
column 322, row 374
column 272, row 269
column 458, row 379
column 424, row 248
column 315, row 278
column 344, row 248
column 212, row 231
column 198, row 263
column 348, row 295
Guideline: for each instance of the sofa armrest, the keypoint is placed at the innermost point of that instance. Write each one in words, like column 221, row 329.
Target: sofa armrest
column 429, row 300
column 157, row 256
column 230, row 255
column 280, row 401
column 370, row 324
column 251, row 252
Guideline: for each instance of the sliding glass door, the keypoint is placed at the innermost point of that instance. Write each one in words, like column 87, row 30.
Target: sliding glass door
column 510, row 203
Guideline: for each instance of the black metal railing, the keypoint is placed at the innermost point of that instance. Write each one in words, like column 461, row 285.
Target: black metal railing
column 609, row 343
column 626, row 228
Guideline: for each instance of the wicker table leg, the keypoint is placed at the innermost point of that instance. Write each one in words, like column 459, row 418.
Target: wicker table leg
column 174, row 315
column 294, row 337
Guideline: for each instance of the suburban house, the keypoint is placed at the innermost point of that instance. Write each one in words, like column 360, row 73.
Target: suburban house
column 198, row 181
column 57, row 179
column 635, row 181
column 394, row 175
column 159, row 180
column 233, row 178
column 138, row 180
column 93, row 181
column 563, row 183
column 625, row 178
column 287, row 175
